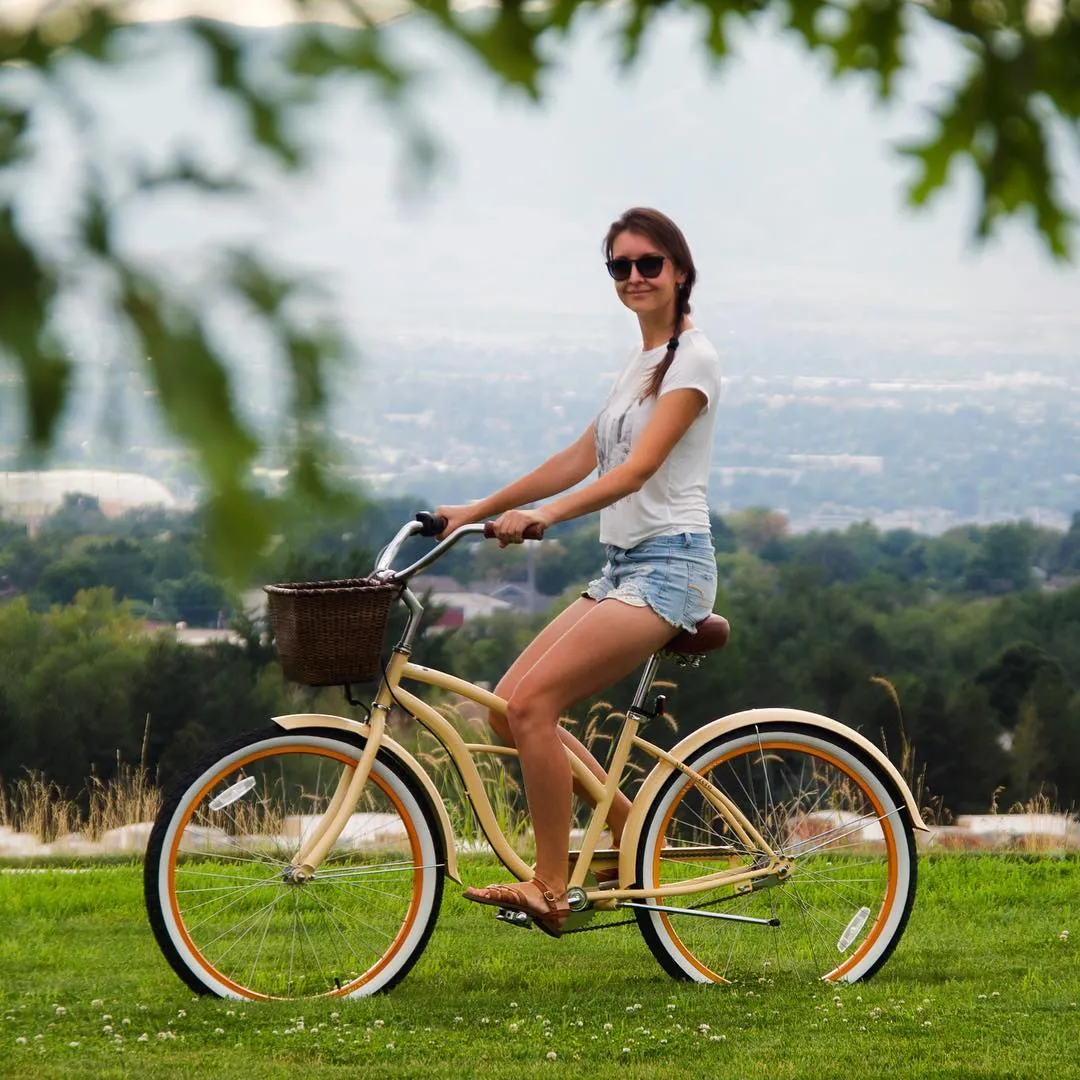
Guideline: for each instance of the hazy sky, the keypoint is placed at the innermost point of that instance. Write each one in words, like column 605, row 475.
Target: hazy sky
column 785, row 184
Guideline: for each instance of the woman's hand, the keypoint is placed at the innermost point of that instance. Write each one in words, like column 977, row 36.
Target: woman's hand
column 455, row 516
column 510, row 527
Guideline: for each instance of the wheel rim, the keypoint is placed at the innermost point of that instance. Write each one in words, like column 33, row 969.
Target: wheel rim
column 841, row 834
column 249, row 932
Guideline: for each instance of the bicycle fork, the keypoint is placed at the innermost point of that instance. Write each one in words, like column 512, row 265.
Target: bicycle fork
column 345, row 798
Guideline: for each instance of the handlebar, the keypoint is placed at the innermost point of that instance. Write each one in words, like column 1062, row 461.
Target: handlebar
column 433, row 524
column 428, row 524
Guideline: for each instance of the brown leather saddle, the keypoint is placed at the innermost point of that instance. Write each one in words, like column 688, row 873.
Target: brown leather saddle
column 712, row 633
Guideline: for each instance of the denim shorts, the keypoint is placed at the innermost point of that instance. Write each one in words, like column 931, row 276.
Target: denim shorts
column 673, row 575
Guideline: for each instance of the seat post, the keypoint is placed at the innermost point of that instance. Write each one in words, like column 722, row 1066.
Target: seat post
column 645, row 683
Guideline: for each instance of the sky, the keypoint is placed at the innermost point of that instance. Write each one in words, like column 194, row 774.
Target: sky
column 786, row 184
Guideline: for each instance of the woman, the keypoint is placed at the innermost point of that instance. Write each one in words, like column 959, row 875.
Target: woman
column 650, row 446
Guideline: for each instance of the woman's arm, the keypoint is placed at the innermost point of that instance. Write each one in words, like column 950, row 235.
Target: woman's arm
column 560, row 472
column 675, row 411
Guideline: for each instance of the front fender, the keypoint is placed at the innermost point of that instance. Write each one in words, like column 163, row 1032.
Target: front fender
column 726, row 725
column 296, row 721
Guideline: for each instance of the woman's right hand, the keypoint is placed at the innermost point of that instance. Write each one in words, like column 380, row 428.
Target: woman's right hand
column 455, row 517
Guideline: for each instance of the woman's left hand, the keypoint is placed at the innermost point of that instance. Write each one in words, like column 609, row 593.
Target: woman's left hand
column 510, row 527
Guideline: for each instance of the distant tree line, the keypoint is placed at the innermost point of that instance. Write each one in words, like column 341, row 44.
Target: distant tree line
column 960, row 652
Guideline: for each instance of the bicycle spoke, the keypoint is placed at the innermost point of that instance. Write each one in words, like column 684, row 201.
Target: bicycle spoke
column 249, row 923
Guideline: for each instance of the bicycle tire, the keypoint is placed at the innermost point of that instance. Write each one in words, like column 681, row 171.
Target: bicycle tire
column 223, row 912
column 835, row 815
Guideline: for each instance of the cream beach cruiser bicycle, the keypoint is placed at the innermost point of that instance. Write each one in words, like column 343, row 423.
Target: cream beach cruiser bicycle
column 309, row 858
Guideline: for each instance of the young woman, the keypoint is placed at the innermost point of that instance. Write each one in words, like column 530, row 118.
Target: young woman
column 650, row 446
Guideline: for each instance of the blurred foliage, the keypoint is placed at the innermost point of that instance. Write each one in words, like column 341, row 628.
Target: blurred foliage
column 1004, row 114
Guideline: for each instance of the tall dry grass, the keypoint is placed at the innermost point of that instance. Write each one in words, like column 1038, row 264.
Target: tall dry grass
column 36, row 805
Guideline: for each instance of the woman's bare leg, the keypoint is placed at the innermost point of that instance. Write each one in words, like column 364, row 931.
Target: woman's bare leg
column 600, row 647
column 620, row 806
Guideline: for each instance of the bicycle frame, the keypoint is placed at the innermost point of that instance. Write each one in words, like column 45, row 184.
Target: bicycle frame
column 391, row 691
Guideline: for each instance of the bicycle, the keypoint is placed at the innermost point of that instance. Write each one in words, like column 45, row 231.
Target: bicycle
column 309, row 858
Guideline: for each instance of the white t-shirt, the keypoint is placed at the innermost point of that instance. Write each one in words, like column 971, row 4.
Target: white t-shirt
column 675, row 498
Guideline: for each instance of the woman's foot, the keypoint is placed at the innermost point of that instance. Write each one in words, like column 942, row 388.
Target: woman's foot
column 547, row 909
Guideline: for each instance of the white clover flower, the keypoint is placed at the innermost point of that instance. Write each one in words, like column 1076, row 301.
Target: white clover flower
column 20, row 1041
column 107, row 1029
column 61, row 1011
column 106, row 1018
column 219, row 1031
column 626, row 1049
column 143, row 1038
column 1064, row 935
column 608, row 1027
column 551, row 1055
column 512, row 1028
column 73, row 1045
column 703, row 1028
column 382, row 1023
column 670, row 1005
column 97, row 1003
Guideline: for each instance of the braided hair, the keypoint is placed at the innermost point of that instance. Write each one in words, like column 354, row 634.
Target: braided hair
column 668, row 237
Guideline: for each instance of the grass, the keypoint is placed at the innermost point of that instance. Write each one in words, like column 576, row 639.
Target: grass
column 985, row 983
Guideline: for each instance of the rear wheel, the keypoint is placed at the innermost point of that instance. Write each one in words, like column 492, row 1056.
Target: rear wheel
column 225, row 910
column 834, row 817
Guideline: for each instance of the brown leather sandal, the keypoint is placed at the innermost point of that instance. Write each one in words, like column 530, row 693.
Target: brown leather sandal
column 550, row 918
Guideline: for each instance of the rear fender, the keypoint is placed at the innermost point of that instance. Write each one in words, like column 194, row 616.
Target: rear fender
column 726, row 725
column 298, row 721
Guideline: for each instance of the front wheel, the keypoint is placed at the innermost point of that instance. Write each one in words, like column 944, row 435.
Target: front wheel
column 834, row 819
column 233, row 921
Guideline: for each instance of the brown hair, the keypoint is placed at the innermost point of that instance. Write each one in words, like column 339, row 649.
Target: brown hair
column 668, row 237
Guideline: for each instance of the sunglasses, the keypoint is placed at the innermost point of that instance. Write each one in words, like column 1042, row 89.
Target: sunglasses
column 648, row 266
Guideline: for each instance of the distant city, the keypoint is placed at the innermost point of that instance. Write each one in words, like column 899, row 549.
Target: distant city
column 449, row 421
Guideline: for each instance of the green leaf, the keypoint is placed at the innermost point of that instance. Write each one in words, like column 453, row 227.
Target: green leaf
column 871, row 41
column 192, row 385
column 28, row 288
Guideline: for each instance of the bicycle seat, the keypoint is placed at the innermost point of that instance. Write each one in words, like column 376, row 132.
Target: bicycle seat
column 712, row 633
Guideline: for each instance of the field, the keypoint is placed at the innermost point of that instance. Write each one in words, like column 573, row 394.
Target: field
column 985, row 983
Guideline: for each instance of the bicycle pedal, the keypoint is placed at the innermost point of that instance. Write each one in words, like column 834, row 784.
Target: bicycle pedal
column 515, row 918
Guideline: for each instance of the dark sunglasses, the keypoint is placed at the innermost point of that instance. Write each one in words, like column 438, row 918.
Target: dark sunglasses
column 648, row 266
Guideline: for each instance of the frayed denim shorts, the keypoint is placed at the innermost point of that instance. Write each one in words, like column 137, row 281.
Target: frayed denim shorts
column 674, row 575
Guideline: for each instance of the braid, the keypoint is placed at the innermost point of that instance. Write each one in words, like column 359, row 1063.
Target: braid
column 682, row 309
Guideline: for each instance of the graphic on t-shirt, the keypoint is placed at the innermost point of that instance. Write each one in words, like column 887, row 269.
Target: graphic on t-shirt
column 615, row 434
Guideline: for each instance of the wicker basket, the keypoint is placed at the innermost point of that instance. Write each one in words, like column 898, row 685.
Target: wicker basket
column 330, row 633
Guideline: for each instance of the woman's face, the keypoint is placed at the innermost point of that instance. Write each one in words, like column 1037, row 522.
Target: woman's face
column 645, row 296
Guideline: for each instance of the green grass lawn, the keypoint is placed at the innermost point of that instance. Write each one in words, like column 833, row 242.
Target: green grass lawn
column 985, row 983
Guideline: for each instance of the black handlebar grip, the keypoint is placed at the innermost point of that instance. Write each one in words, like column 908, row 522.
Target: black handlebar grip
column 432, row 523
column 532, row 532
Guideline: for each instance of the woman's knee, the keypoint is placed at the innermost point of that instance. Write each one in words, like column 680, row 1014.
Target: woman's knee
column 526, row 714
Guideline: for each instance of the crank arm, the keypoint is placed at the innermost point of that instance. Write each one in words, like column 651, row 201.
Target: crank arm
column 666, row 910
